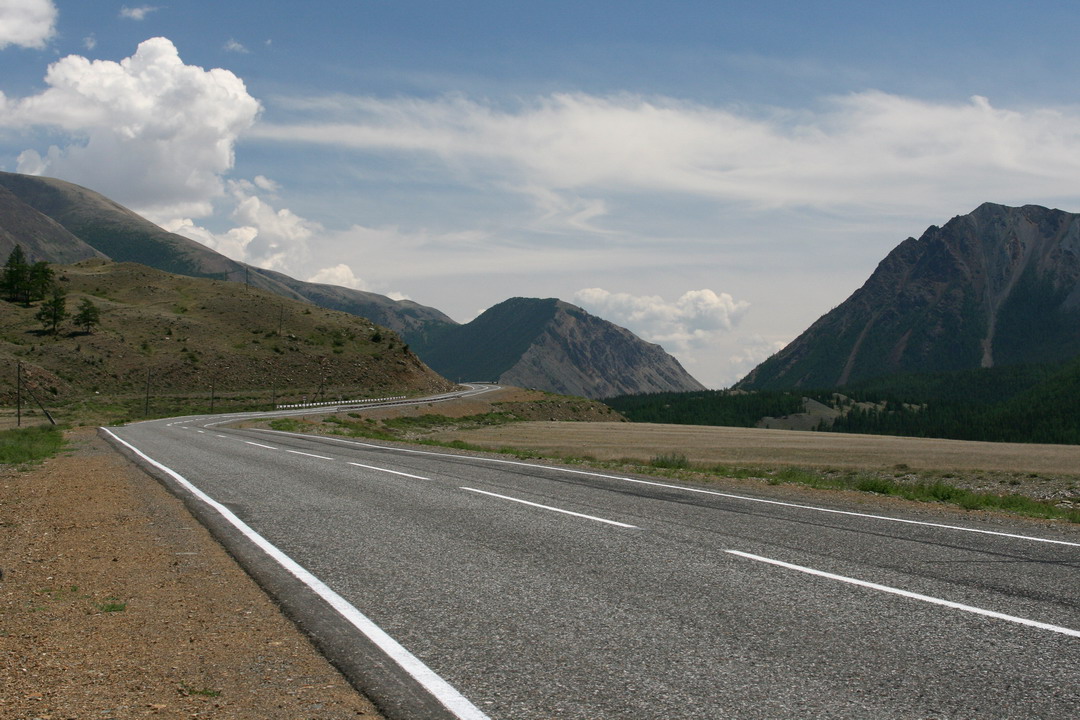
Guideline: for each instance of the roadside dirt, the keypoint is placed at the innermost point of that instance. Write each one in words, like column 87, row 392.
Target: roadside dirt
column 116, row 603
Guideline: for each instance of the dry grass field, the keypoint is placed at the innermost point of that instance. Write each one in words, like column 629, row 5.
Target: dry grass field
column 752, row 446
column 526, row 423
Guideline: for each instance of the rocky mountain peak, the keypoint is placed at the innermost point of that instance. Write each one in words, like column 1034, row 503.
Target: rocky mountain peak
column 998, row 286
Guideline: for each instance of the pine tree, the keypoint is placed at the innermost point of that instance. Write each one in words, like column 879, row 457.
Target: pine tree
column 88, row 317
column 40, row 278
column 15, row 281
column 53, row 310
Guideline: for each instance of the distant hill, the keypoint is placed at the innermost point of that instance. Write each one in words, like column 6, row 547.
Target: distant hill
column 96, row 223
column 41, row 237
column 556, row 346
column 997, row 287
column 190, row 335
column 537, row 343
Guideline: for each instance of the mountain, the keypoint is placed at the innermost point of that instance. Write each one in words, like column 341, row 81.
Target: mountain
column 556, row 346
column 997, row 287
column 97, row 225
column 413, row 321
column 544, row 344
column 192, row 336
column 41, row 237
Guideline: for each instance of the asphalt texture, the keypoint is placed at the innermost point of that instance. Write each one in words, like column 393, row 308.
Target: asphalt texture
column 532, row 613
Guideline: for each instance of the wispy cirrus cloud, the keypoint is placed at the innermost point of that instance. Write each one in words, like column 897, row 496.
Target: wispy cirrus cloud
column 869, row 149
column 137, row 13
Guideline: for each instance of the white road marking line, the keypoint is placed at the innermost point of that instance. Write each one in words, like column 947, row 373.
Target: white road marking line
column 392, row 472
column 702, row 491
column 553, row 509
column 297, row 452
column 910, row 595
column 445, row 693
column 260, row 445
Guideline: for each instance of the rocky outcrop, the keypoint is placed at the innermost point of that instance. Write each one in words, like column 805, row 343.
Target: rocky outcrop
column 998, row 286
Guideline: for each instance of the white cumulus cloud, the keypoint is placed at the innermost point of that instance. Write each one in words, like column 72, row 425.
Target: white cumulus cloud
column 340, row 274
column 149, row 131
column 265, row 236
column 695, row 319
column 26, row 23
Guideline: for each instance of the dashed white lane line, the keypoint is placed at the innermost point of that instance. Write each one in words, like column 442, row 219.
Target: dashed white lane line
column 297, row 452
column 703, row 491
column 910, row 595
column 268, row 447
column 553, row 509
column 392, row 472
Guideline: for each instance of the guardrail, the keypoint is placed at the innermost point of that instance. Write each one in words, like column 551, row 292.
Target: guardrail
column 339, row 402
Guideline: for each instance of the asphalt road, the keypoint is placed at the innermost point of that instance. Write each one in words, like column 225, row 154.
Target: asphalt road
column 539, row 592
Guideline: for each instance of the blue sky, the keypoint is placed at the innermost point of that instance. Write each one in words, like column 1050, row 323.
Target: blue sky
column 713, row 175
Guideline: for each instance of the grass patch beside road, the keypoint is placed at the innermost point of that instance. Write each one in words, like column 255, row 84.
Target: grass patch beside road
column 29, row 445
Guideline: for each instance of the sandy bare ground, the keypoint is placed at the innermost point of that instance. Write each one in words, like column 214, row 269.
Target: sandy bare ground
column 116, row 603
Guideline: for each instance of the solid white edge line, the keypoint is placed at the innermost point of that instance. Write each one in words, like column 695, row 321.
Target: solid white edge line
column 433, row 683
column 910, row 595
column 392, row 472
column 553, row 509
column 703, row 491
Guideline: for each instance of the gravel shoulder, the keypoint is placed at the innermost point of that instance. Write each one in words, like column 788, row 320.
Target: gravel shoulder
column 116, row 603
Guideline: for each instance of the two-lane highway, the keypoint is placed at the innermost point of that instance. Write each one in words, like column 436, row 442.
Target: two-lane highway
column 544, row 592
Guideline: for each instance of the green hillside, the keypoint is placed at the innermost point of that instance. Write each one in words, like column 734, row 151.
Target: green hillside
column 190, row 338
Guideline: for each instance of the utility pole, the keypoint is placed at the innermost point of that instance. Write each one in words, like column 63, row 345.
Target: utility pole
column 18, row 393
column 146, row 405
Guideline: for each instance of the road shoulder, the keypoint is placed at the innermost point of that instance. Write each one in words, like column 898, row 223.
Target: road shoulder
column 117, row 602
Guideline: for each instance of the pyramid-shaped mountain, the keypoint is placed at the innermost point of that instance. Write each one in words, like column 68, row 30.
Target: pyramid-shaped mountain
column 553, row 345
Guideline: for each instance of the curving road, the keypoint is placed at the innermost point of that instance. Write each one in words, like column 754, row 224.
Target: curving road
column 467, row 587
